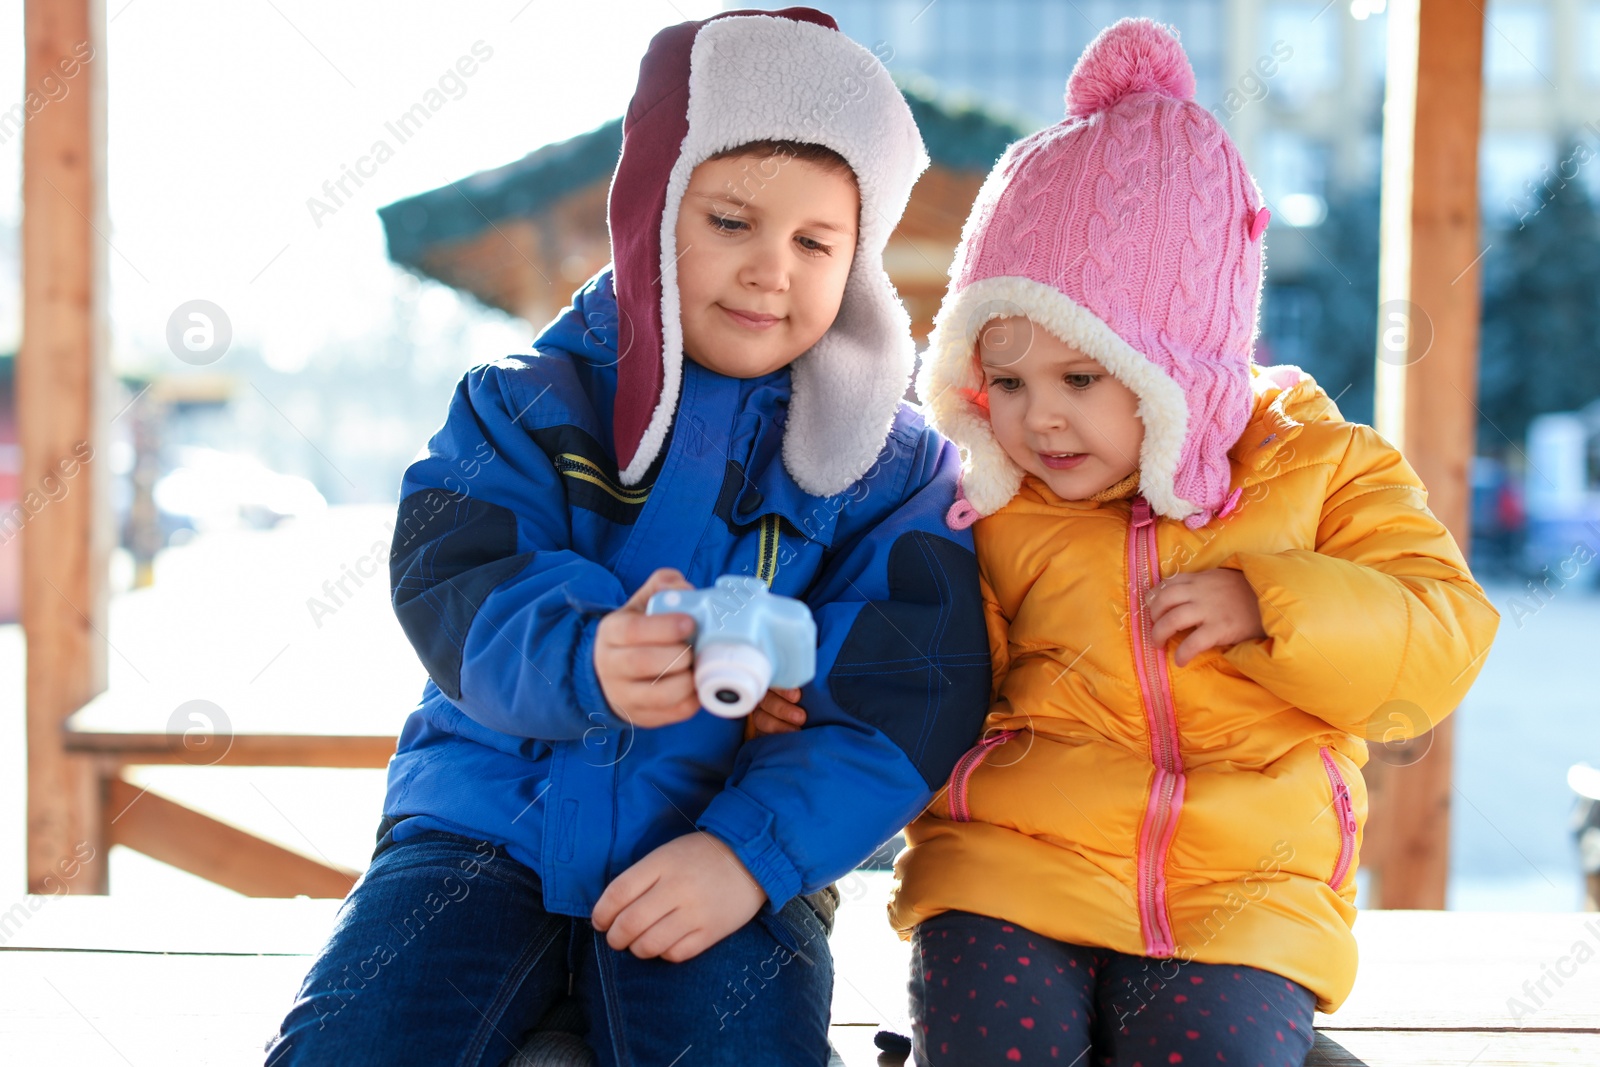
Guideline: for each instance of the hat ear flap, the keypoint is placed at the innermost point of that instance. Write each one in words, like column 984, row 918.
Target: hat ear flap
column 848, row 386
column 1202, row 480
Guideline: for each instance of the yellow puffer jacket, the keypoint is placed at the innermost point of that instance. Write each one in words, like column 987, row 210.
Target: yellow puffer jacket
column 1211, row 812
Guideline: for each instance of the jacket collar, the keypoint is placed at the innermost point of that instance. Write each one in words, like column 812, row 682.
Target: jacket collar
column 1286, row 400
column 737, row 425
column 756, row 483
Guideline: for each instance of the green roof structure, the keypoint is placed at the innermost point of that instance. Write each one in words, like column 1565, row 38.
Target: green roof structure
column 959, row 137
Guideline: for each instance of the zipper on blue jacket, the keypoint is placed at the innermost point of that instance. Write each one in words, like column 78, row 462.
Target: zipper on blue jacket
column 767, row 557
column 575, row 466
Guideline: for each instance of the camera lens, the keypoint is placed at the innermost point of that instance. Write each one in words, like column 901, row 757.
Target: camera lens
column 730, row 677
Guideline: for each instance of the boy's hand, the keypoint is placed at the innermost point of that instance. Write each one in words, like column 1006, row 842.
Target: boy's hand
column 1218, row 605
column 679, row 900
column 644, row 663
column 778, row 713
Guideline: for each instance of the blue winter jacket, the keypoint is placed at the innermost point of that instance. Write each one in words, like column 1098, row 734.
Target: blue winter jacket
column 514, row 537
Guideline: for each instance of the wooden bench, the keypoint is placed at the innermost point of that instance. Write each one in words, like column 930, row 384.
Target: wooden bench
column 122, row 729
column 1433, row 988
column 108, row 980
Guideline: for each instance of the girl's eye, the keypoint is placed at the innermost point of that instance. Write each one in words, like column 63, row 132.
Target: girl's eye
column 1082, row 381
column 727, row 223
column 814, row 246
column 1005, row 385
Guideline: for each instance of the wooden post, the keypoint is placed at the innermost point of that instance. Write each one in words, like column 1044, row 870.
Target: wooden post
column 1427, row 371
column 61, row 380
column 214, row 850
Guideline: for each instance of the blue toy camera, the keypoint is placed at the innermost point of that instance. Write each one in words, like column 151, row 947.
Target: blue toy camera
column 746, row 641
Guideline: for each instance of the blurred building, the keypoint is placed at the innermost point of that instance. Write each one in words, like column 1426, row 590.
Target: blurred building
column 1542, row 76
column 1299, row 86
column 523, row 236
column 1299, row 83
column 1320, row 122
column 1015, row 55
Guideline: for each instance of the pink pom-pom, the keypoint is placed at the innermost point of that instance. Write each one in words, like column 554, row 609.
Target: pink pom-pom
column 1258, row 223
column 1130, row 56
column 961, row 514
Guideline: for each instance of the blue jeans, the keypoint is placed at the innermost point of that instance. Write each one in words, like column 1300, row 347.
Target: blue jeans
column 443, row 954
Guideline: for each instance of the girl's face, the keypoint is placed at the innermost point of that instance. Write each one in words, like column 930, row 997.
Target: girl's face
column 1059, row 415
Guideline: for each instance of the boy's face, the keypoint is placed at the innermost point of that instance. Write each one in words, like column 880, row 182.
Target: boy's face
column 765, row 246
column 1059, row 415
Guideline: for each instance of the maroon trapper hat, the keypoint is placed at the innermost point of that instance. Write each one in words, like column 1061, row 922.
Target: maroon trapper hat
column 708, row 86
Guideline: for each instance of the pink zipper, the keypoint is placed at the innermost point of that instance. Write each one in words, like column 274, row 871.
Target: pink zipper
column 963, row 771
column 1155, row 689
column 1344, row 811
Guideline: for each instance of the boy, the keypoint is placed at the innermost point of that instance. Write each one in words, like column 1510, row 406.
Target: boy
column 562, row 817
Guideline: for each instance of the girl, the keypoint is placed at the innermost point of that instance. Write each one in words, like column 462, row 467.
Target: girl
column 1203, row 589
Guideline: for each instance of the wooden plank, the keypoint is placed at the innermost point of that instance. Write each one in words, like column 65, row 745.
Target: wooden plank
column 1474, row 971
column 214, row 850
column 239, row 750
column 99, row 1007
column 1427, row 367
column 240, row 926
column 61, row 374
column 1421, row 1048
column 1419, row 970
column 1441, row 970
column 1340, row 1049
column 87, row 1002
column 118, row 1008
column 853, row 1045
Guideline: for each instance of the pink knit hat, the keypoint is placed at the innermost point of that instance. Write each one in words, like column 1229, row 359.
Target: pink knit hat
column 1131, row 231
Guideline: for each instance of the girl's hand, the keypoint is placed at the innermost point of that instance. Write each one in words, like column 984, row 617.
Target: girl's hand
column 778, row 713
column 1217, row 605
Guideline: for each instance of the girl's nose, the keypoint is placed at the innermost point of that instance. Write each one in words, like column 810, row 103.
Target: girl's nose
column 1045, row 414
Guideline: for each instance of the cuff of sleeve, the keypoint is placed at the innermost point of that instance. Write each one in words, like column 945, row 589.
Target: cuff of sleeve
column 746, row 827
column 1323, row 616
column 586, row 683
column 1255, row 569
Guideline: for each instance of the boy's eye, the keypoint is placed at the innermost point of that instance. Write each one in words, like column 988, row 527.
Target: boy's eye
column 727, row 223
column 1005, row 385
column 814, row 246
column 1081, row 381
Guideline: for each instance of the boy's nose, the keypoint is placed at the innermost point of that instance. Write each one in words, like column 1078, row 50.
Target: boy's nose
column 765, row 270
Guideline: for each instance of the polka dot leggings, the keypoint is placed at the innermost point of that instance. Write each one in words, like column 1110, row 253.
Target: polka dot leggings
column 984, row 991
